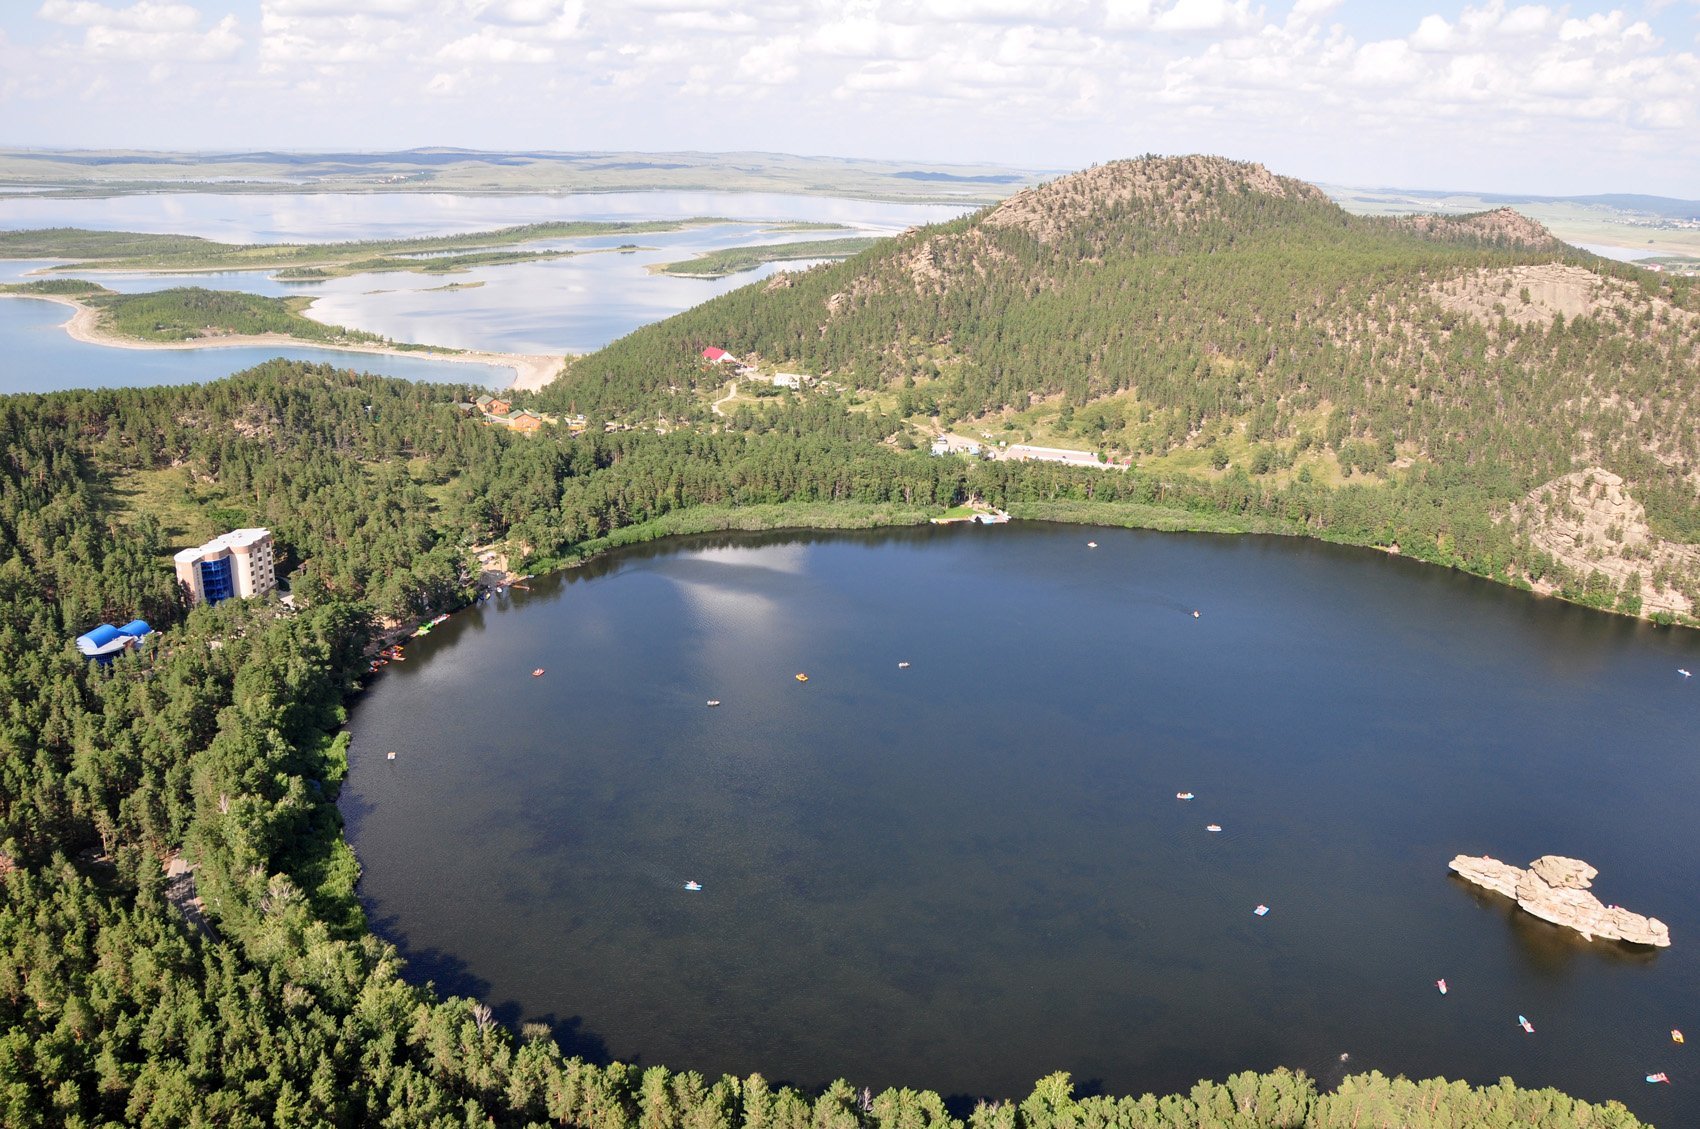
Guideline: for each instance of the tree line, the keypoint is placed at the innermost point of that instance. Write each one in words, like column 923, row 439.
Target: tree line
column 219, row 742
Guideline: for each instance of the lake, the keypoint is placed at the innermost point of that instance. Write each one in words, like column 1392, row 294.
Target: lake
column 37, row 355
column 974, row 871
column 571, row 305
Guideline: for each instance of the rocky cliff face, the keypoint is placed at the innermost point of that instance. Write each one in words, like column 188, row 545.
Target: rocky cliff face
column 1555, row 889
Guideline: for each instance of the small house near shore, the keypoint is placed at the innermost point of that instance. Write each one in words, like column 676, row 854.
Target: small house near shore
column 717, row 356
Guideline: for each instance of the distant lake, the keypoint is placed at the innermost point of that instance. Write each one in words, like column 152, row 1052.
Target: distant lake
column 37, row 355
column 966, row 874
column 574, row 305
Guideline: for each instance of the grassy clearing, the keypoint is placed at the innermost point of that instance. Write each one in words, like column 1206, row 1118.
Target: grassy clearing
column 1135, row 515
column 184, row 512
column 716, row 519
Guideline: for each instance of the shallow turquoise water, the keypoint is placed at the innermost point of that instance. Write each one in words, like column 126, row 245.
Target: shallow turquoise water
column 37, row 355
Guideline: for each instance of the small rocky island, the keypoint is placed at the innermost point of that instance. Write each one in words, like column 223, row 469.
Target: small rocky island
column 1555, row 889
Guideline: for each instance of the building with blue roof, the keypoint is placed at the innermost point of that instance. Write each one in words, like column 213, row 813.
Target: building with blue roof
column 106, row 641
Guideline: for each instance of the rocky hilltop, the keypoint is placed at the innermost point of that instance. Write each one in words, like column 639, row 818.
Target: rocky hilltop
column 1224, row 330
column 1555, row 889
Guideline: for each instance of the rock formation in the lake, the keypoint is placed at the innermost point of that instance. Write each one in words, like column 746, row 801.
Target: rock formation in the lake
column 1555, row 889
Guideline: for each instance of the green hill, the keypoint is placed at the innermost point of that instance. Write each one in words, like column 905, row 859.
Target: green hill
column 1208, row 319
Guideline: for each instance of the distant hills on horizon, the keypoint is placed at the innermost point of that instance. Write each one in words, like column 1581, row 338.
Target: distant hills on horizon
column 49, row 168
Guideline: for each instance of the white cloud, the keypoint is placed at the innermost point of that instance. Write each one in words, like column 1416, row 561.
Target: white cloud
column 1026, row 81
column 1206, row 15
column 1128, row 15
column 158, row 33
column 1388, row 62
column 1434, row 34
column 1313, row 9
column 146, row 15
column 487, row 45
column 382, row 8
column 449, row 84
column 555, row 19
column 773, row 63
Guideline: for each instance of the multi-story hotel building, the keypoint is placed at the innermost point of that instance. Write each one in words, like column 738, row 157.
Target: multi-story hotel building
column 237, row 564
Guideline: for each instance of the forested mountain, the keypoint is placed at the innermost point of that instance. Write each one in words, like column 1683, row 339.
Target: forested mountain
column 216, row 744
column 1200, row 315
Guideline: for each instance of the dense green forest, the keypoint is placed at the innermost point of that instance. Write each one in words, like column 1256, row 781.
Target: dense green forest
column 1198, row 315
column 218, row 743
column 185, row 313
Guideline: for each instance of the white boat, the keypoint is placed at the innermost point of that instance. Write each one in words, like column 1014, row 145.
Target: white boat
column 1213, row 827
column 714, row 701
column 902, row 666
column 1684, row 673
column 1261, row 911
column 693, row 885
column 1183, row 795
column 1441, row 984
column 1091, row 544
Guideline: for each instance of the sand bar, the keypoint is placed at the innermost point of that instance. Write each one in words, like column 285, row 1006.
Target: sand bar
column 531, row 371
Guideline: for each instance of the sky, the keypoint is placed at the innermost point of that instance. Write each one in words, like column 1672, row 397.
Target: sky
column 1533, row 98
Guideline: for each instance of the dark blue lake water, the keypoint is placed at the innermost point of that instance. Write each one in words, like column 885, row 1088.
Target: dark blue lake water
column 965, row 874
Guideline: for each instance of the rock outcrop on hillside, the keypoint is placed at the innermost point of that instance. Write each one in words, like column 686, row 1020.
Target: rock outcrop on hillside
column 1502, row 227
column 1588, row 521
column 1555, row 889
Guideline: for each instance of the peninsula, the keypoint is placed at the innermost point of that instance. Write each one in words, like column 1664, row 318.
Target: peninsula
column 193, row 318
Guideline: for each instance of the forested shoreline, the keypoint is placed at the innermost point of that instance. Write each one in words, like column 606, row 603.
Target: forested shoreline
column 218, row 742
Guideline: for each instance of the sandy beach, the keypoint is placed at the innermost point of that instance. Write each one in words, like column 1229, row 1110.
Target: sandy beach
column 531, row 372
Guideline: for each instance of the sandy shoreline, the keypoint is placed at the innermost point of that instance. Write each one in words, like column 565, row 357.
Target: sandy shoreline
column 531, row 371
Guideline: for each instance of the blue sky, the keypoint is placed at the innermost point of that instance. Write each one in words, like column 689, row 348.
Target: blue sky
column 1561, row 98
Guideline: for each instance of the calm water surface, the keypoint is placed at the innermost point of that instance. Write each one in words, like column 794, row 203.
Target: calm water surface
column 37, row 355
column 971, row 872
column 574, row 305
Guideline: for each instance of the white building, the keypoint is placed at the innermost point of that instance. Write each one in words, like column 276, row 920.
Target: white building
column 787, row 380
column 237, row 564
column 1027, row 453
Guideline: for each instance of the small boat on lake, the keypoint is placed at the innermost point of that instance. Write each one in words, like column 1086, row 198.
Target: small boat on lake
column 1212, row 827
column 1091, row 544
column 1661, row 1076
column 1675, row 1035
column 1441, row 984
column 1261, row 911
column 802, row 677
column 693, row 885
column 389, row 756
column 902, row 666
column 1194, row 613
column 1684, row 673
column 538, row 673
column 714, row 701
column 1183, row 795
column 1523, row 1022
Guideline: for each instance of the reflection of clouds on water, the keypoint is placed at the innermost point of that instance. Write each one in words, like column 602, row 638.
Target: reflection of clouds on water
column 772, row 558
column 730, row 591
